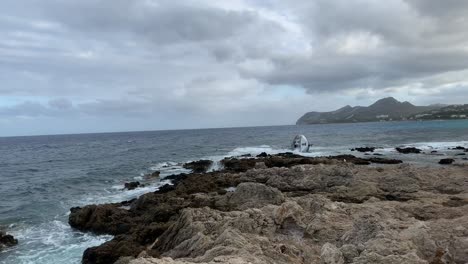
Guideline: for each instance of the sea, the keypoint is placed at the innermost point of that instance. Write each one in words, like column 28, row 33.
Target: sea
column 42, row 177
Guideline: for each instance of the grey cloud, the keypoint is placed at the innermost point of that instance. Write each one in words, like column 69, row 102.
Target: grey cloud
column 162, row 22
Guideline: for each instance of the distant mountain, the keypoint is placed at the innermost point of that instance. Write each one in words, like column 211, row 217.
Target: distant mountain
column 385, row 109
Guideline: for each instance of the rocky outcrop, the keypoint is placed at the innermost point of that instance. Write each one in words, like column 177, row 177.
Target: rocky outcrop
column 289, row 209
column 364, row 149
column 7, row 241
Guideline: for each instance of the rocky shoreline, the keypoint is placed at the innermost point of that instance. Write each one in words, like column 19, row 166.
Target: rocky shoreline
column 287, row 208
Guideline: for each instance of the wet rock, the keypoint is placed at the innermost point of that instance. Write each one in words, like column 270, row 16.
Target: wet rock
column 153, row 175
column 131, row 185
column 7, row 241
column 460, row 154
column 199, row 166
column 459, row 148
column 364, row 149
column 446, row 161
column 409, row 150
column 262, row 155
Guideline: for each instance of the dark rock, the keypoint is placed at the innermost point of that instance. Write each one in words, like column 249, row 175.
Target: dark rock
column 446, row 161
column 7, row 241
column 459, row 148
column 289, row 155
column 101, row 219
column 153, row 175
column 410, row 150
column 132, row 185
column 460, row 154
column 238, row 165
column 199, row 166
column 377, row 154
column 364, row 149
column 262, row 155
column 434, row 151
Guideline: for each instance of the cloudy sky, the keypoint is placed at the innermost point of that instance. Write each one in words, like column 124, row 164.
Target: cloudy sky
column 119, row 65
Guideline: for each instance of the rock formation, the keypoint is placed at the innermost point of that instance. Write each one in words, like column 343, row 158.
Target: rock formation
column 289, row 209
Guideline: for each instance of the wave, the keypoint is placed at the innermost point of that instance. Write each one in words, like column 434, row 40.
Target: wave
column 53, row 242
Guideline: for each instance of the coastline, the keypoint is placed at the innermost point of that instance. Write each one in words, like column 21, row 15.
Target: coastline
column 213, row 216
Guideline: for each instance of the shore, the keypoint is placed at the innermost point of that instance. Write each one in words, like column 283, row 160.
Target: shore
column 287, row 208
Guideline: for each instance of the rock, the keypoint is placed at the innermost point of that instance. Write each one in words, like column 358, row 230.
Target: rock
column 458, row 148
column 7, row 241
column 434, row 151
column 446, row 161
column 153, row 175
column 460, row 154
column 330, row 254
column 262, row 155
column 409, row 150
column 238, row 165
column 199, row 166
column 364, row 149
column 254, row 195
column 132, row 185
column 290, row 209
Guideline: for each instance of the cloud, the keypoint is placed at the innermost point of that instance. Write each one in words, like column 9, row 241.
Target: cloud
column 208, row 63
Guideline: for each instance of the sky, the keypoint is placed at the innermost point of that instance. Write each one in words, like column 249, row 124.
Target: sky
column 130, row 65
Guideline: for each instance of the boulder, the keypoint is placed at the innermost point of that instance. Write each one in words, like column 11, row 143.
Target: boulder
column 7, row 241
column 409, row 150
column 262, row 155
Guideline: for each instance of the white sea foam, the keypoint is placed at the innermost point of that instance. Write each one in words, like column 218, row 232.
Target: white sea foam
column 53, row 242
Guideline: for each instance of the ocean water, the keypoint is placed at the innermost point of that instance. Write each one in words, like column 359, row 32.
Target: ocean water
column 41, row 177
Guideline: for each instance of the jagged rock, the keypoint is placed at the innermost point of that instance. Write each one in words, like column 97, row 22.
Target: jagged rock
column 286, row 211
column 446, row 161
column 410, row 150
column 7, row 241
column 199, row 166
column 131, row 185
column 262, row 155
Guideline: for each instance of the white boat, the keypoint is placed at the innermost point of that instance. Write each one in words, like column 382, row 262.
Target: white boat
column 300, row 143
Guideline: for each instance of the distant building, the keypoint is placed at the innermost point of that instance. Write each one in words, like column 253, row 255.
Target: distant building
column 422, row 115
